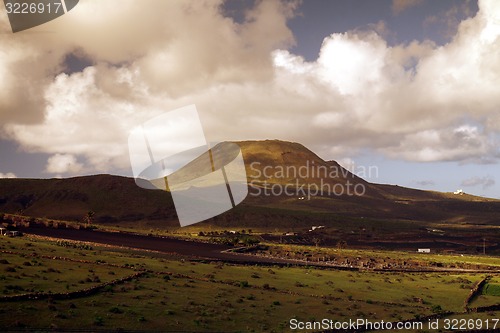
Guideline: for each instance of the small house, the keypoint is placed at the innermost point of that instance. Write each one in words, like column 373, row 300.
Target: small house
column 424, row 250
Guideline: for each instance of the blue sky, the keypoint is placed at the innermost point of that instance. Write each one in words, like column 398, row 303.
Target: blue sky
column 410, row 87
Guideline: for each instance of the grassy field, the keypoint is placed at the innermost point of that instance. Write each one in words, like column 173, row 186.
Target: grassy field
column 175, row 294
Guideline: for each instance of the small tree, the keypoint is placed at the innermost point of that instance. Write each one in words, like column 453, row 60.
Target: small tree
column 316, row 241
column 341, row 244
column 89, row 217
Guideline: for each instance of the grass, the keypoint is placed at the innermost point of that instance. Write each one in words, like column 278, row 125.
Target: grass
column 492, row 289
column 193, row 296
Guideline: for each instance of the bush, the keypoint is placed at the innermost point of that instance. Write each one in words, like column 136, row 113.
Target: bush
column 98, row 321
column 116, row 310
column 436, row 309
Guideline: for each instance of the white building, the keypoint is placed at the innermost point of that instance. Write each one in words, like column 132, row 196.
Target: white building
column 424, row 250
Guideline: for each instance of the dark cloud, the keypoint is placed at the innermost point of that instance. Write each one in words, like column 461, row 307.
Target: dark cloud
column 485, row 182
column 425, row 182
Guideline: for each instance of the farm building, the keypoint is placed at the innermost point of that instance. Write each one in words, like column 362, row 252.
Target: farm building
column 424, row 250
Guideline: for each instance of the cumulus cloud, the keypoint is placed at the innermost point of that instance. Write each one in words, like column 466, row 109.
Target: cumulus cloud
column 63, row 163
column 7, row 175
column 446, row 23
column 485, row 182
column 463, row 143
column 415, row 101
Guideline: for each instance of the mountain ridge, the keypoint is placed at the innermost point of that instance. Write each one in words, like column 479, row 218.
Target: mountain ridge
column 117, row 199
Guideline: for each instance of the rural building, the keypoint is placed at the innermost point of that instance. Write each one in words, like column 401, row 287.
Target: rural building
column 3, row 231
column 459, row 192
column 424, row 250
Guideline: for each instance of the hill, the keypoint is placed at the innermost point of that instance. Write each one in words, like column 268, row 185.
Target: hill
column 316, row 192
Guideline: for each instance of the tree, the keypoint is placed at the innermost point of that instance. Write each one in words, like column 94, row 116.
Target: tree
column 341, row 244
column 316, row 241
column 89, row 217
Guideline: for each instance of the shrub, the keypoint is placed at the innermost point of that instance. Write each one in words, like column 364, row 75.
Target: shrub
column 116, row 310
column 436, row 309
column 98, row 321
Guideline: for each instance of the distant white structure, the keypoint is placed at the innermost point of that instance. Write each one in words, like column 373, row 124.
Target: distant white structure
column 459, row 192
column 315, row 227
column 424, row 250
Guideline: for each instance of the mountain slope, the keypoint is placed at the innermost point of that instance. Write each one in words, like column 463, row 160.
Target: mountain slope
column 112, row 198
column 313, row 194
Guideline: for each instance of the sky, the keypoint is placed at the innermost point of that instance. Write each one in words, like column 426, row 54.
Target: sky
column 409, row 88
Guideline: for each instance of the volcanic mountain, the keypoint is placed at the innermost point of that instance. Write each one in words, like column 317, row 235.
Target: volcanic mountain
column 317, row 192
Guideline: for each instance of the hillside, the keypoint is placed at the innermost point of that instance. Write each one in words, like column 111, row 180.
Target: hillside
column 118, row 200
column 112, row 198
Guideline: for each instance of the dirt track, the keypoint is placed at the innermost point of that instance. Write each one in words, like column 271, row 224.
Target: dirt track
column 199, row 250
column 195, row 250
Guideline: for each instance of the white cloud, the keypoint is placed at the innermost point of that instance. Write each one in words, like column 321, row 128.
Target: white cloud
column 463, row 143
column 7, row 175
column 63, row 163
column 416, row 101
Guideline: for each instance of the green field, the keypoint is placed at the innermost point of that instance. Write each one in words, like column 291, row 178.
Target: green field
column 181, row 295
